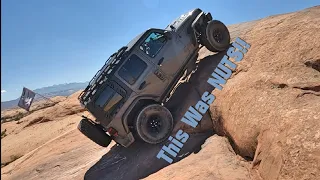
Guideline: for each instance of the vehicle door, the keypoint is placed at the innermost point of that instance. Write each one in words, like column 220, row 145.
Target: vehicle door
column 141, row 75
column 168, row 53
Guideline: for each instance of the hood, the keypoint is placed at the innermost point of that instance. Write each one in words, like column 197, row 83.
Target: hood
column 178, row 22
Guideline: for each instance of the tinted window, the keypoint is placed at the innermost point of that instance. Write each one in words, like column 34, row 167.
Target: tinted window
column 132, row 69
column 110, row 97
column 113, row 101
column 104, row 97
column 153, row 44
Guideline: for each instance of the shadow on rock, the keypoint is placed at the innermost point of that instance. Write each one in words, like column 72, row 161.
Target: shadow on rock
column 189, row 93
column 139, row 160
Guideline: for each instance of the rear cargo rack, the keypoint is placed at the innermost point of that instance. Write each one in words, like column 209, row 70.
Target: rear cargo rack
column 102, row 75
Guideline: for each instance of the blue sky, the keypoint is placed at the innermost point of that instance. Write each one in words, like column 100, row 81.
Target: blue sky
column 57, row 41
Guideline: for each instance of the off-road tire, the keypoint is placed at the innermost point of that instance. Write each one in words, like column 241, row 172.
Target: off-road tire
column 217, row 36
column 94, row 132
column 154, row 124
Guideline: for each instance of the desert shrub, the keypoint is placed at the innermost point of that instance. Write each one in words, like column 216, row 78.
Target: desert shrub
column 18, row 116
column 12, row 158
column 3, row 133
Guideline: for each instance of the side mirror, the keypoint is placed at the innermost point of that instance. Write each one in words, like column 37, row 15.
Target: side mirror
column 168, row 34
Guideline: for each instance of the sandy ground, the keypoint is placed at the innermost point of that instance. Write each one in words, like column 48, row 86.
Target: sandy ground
column 66, row 157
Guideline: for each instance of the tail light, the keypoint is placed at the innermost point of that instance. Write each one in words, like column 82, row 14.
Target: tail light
column 112, row 131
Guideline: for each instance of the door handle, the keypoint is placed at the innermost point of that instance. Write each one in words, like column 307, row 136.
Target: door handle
column 160, row 61
column 142, row 85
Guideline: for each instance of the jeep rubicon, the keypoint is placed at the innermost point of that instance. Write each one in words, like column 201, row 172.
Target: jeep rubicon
column 126, row 95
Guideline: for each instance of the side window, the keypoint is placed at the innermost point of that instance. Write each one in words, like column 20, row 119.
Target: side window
column 153, row 44
column 132, row 69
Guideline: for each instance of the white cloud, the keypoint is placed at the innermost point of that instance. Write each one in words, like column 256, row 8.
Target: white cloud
column 3, row 91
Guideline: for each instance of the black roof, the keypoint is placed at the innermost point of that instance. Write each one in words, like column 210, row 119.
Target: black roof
column 135, row 40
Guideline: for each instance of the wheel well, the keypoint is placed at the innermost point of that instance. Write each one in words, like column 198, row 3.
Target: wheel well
column 136, row 109
column 199, row 26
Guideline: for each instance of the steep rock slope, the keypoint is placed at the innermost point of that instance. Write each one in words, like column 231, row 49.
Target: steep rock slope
column 216, row 160
column 38, row 127
column 270, row 109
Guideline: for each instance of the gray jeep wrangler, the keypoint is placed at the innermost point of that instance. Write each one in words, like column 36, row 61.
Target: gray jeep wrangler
column 127, row 94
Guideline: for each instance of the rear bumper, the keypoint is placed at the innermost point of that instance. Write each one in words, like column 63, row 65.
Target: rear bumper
column 126, row 140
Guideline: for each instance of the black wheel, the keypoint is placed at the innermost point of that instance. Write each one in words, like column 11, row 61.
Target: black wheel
column 94, row 132
column 217, row 36
column 154, row 124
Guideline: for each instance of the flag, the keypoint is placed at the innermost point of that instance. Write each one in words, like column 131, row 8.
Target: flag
column 26, row 99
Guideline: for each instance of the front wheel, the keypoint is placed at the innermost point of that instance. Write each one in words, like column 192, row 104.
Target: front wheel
column 217, row 36
column 154, row 124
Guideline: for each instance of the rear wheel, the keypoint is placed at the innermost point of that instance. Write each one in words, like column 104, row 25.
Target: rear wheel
column 94, row 132
column 154, row 124
column 217, row 36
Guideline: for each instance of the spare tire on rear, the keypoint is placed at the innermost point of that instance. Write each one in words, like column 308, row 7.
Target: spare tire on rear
column 94, row 132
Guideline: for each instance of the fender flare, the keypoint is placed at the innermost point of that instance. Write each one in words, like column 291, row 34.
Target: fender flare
column 135, row 103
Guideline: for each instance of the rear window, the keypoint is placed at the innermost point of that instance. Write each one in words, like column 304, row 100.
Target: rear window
column 106, row 94
column 108, row 99
column 132, row 69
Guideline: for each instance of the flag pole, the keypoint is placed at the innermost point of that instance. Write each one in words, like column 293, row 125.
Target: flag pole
column 28, row 96
column 57, row 103
column 45, row 97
